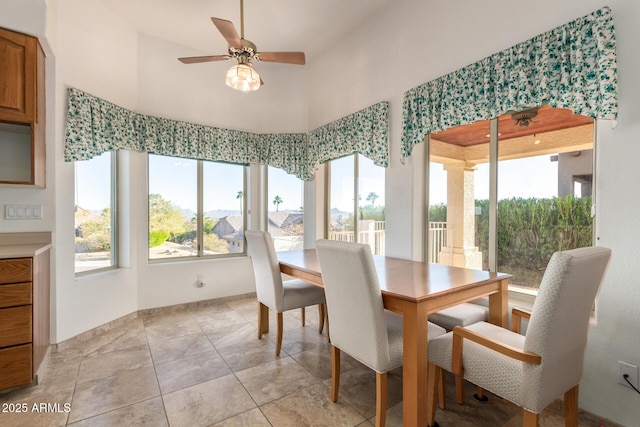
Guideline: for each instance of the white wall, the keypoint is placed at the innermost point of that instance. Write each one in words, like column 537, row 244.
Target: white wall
column 95, row 51
column 413, row 42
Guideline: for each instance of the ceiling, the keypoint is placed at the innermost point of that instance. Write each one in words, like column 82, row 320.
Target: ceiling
column 547, row 120
column 310, row 26
column 550, row 131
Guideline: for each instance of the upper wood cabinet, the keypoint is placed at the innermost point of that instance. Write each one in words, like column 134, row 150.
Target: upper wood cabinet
column 22, row 110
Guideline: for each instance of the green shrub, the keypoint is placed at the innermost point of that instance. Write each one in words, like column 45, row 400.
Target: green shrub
column 95, row 242
column 156, row 238
column 438, row 213
column 531, row 230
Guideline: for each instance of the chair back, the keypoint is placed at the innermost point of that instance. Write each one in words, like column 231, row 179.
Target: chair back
column 266, row 269
column 559, row 322
column 354, row 302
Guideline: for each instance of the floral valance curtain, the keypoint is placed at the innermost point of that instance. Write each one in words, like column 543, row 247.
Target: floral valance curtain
column 95, row 126
column 365, row 132
column 572, row 66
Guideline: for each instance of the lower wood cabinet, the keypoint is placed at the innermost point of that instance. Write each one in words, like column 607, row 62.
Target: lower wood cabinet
column 24, row 318
column 15, row 366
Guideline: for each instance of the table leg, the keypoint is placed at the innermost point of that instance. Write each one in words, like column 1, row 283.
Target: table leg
column 414, row 371
column 498, row 305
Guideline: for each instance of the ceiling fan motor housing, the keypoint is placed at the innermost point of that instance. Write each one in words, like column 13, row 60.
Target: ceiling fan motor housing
column 523, row 118
column 248, row 50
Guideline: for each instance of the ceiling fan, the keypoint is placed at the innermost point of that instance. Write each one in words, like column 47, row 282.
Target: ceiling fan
column 525, row 117
column 243, row 76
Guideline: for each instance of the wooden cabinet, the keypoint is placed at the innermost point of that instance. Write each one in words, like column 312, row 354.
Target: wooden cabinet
column 22, row 110
column 24, row 318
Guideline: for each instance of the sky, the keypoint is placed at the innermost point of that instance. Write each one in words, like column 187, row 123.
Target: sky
column 527, row 177
column 93, row 184
column 371, row 181
column 175, row 179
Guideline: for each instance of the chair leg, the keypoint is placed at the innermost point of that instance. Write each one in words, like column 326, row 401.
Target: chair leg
column 434, row 380
column 571, row 407
column 263, row 319
column 529, row 419
column 335, row 372
column 279, row 335
column 459, row 389
column 381, row 399
column 441, row 390
column 303, row 315
column 479, row 396
column 326, row 321
column 320, row 317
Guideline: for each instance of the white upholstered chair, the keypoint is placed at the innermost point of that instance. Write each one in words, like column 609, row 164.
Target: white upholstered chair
column 535, row 369
column 463, row 314
column 272, row 291
column 359, row 324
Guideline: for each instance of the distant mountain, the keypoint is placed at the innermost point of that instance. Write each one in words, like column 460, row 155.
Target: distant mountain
column 336, row 213
column 187, row 213
column 221, row 213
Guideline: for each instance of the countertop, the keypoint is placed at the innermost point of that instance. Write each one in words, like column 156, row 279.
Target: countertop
column 21, row 251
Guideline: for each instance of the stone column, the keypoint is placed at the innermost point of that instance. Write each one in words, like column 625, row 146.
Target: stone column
column 460, row 250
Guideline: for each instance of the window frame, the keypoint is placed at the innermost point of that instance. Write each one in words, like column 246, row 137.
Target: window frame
column 267, row 198
column 356, row 197
column 200, row 215
column 356, row 190
column 519, row 295
column 114, row 201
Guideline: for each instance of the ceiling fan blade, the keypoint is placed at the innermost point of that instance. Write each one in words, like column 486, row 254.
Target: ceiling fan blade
column 286, row 57
column 228, row 31
column 197, row 59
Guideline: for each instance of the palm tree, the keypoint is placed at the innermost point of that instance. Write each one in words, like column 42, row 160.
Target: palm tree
column 372, row 198
column 240, row 197
column 276, row 201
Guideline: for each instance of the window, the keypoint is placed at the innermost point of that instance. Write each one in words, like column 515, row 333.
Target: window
column 539, row 211
column 196, row 208
column 285, row 210
column 95, row 214
column 541, row 192
column 356, row 190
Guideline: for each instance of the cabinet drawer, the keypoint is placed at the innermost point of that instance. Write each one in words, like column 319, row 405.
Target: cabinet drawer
column 15, row 325
column 15, row 294
column 15, row 366
column 15, row 270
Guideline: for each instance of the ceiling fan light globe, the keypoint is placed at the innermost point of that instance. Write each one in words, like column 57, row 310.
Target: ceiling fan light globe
column 243, row 77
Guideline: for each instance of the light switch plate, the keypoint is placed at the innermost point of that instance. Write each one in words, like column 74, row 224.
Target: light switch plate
column 22, row 211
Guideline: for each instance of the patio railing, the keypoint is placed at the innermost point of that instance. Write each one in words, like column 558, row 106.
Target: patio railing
column 373, row 233
column 370, row 232
column 437, row 240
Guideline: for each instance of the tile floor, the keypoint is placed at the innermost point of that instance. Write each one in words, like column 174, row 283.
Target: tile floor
column 205, row 366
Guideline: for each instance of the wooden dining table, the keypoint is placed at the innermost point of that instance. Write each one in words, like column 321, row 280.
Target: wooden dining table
column 415, row 289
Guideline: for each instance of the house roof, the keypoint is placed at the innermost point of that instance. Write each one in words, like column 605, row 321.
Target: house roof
column 234, row 220
column 285, row 219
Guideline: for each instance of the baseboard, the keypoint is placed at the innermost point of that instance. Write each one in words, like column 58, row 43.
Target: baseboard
column 87, row 335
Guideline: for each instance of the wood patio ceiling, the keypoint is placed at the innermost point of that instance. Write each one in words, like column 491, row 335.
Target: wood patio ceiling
column 548, row 119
